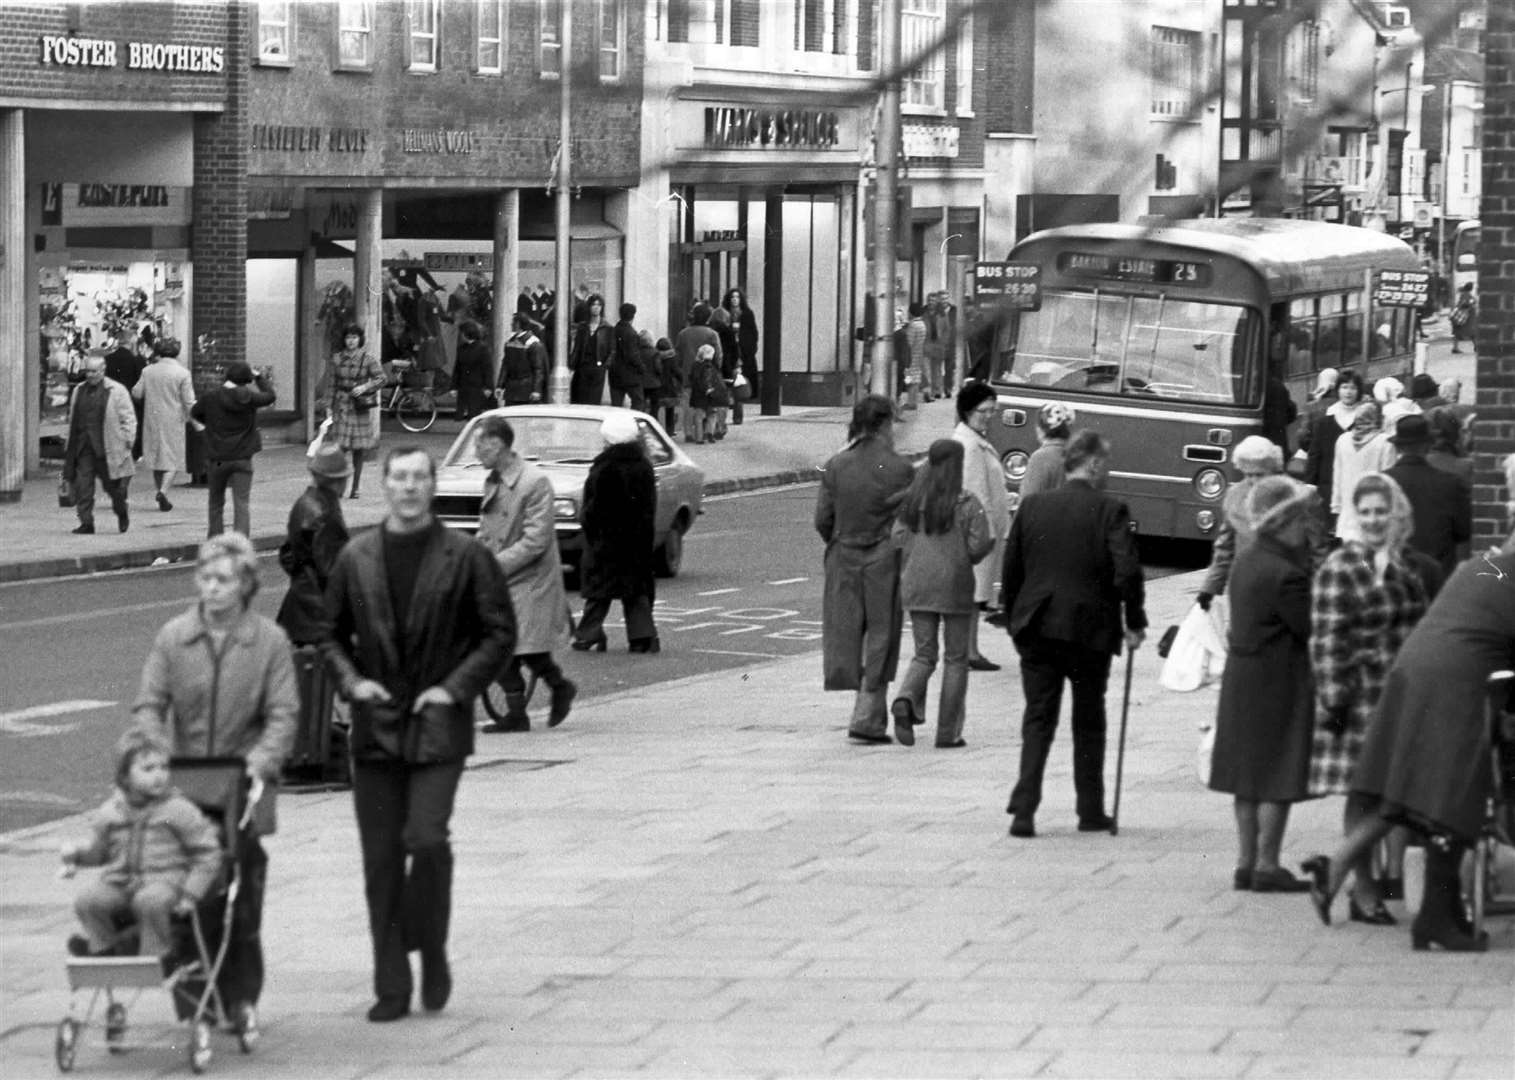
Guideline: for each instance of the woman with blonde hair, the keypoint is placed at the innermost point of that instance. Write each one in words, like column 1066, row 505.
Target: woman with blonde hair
column 1255, row 457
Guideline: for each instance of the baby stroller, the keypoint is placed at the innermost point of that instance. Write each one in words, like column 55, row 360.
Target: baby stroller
column 220, row 788
column 1498, row 834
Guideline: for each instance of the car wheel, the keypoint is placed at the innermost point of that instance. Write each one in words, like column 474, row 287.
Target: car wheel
column 670, row 556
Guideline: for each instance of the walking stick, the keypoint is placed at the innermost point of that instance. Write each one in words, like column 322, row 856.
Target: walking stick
column 1120, row 753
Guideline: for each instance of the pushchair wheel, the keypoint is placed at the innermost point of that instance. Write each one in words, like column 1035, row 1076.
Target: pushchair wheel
column 65, row 1044
column 115, row 1028
column 199, row 1047
column 247, row 1027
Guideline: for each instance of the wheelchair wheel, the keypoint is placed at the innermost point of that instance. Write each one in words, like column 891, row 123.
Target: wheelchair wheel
column 494, row 697
column 199, row 1047
column 66, row 1042
column 115, row 1028
column 417, row 409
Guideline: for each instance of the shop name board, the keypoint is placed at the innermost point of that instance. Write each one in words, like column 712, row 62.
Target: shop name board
column 736, row 127
column 457, row 261
column 113, row 204
column 305, row 140
column 438, row 141
column 123, row 195
column 1402, row 288
column 929, row 140
column 58, row 50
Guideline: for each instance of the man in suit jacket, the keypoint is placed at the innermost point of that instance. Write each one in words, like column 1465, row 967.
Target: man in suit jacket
column 1442, row 502
column 1070, row 568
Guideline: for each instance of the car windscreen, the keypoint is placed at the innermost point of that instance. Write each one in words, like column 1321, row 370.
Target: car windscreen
column 1146, row 346
column 568, row 440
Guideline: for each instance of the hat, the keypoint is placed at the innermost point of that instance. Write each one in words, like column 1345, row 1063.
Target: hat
column 239, row 372
column 1276, row 501
column 619, row 429
column 1412, row 430
column 1422, row 386
column 1055, row 415
column 330, row 464
column 1388, row 389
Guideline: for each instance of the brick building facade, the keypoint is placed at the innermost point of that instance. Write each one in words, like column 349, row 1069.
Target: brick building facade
column 1495, row 400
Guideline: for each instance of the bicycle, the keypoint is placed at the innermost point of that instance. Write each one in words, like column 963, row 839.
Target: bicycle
column 411, row 401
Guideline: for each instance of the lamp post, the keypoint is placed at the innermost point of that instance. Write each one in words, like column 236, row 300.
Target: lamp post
column 563, row 303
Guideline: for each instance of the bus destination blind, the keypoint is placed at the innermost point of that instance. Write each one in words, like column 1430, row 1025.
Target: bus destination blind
column 1110, row 267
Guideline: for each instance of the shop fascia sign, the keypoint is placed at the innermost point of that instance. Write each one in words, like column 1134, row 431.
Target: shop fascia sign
column 740, row 128
column 114, row 204
column 59, row 50
column 929, row 140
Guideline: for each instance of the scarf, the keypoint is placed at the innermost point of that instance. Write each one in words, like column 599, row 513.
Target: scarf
column 1343, row 414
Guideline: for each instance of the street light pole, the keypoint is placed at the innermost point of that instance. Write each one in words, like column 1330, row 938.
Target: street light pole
column 563, row 303
column 1446, row 166
column 886, row 184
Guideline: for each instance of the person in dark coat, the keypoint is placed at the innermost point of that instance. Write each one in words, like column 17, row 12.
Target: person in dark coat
column 315, row 536
column 1442, row 504
column 1264, row 721
column 124, row 364
column 1074, row 592
column 672, row 392
column 523, row 364
column 1320, row 462
column 731, row 364
column 418, row 621
column 861, row 616
column 229, row 414
column 473, row 374
column 619, row 518
column 1425, row 760
column 652, row 374
column 591, row 354
column 1447, row 451
column 626, row 363
column 735, row 305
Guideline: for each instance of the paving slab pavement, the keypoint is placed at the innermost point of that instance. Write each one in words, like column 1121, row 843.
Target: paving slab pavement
column 705, row 878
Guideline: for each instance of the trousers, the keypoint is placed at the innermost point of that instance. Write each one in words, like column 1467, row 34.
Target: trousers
column 101, row 905
column 1045, row 664
column 541, row 664
column 953, row 699
column 637, row 611
column 630, row 397
column 403, row 811
column 87, row 469
column 236, row 475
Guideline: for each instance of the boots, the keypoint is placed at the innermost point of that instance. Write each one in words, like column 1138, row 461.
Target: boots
column 1441, row 921
column 515, row 715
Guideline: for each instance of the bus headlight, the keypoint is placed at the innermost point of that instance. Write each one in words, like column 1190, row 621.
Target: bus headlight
column 1210, row 483
column 1014, row 463
column 565, row 509
column 1205, row 519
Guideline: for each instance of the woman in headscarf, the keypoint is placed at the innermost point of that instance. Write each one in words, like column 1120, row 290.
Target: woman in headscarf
column 1044, row 469
column 1363, row 450
column 620, row 508
column 984, row 479
column 1255, row 457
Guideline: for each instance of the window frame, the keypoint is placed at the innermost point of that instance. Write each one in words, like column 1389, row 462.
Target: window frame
column 345, row 28
column 261, row 58
column 434, row 35
column 616, row 50
column 549, row 21
column 964, row 88
column 479, row 37
column 1165, row 45
column 922, row 23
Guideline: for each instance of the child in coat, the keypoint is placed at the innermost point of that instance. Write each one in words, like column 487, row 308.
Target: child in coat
column 160, row 853
column 707, row 393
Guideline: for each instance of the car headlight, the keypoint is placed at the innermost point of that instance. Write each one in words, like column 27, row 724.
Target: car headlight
column 565, row 509
column 1210, row 483
column 1014, row 463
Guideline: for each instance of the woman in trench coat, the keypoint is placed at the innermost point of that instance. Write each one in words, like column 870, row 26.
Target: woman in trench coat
column 167, row 393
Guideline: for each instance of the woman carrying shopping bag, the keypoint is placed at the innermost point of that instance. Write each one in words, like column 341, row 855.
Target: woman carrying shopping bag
column 943, row 531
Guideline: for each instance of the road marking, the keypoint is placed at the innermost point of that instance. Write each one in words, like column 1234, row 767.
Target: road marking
column 734, row 652
column 19, row 721
column 717, row 592
column 95, row 613
column 789, row 581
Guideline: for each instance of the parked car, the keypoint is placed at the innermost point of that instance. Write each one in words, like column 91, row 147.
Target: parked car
column 563, row 440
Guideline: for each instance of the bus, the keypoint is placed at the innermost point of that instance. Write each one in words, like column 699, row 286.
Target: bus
column 1465, row 241
column 1160, row 337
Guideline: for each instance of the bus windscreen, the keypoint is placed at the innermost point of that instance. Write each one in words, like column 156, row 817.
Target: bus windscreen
column 1142, row 346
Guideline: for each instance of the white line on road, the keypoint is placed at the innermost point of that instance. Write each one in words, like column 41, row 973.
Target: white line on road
column 717, row 592
column 19, row 721
column 789, row 581
column 734, row 652
column 96, row 613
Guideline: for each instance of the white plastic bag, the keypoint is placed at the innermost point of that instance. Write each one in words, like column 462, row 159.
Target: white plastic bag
column 315, row 444
column 1198, row 655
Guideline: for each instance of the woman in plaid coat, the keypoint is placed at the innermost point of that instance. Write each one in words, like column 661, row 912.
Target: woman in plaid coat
column 353, row 369
column 1366, row 599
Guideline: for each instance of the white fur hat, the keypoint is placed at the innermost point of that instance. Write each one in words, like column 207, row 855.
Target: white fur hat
column 618, row 429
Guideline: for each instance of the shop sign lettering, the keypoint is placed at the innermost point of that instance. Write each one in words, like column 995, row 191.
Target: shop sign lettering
column 737, row 127
column 123, row 195
column 58, row 50
column 456, row 261
column 300, row 139
column 437, row 141
column 929, row 140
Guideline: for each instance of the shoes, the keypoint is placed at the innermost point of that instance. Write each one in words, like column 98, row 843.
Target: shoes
column 353, row 494
column 645, row 645
column 84, row 530
column 998, row 617
column 436, row 983
column 1241, row 879
column 597, row 643
column 123, row 520
column 562, row 699
column 163, row 503
column 955, row 744
column 1391, row 888
column 78, row 945
column 869, row 737
column 1318, row 867
column 1096, row 823
column 983, row 663
column 1278, row 880
column 509, row 724
column 1377, row 915
column 1446, row 938
column 387, row 1009
column 1022, row 827
column 904, row 721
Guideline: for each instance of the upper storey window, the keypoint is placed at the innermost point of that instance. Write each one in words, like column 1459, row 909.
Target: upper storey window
column 421, row 18
column 355, row 33
column 275, row 31
column 1175, row 71
column 489, row 58
column 922, row 24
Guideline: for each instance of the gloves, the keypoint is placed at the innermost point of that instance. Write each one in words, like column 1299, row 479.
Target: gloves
column 1334, row 721
column 1203, row 600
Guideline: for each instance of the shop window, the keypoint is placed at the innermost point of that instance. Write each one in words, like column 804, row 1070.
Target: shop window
column 489, row 55
column 611, row 39
column 922, row 24
column 1175, row 71
column 354, row 33
column 965, row 65
column 421, row 39
column 549, row 45
column 275, row 32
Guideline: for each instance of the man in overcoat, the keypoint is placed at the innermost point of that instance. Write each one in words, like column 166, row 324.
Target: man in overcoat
column 101, row 428
column 516, row 523
column 1441, row 502
column 861, row 617
column 1071, row 571
column 418, row 622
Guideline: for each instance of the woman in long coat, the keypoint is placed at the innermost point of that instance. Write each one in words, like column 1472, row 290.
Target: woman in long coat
column 167, row 393
column 984, row 479
column 1366, row 599
column 735, row 305
column 861, row 616
column 1265, row 719
column 619, row 517
column 354, row 374
column 591, row 354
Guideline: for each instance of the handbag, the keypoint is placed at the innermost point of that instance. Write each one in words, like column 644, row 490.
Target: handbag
column 365, row 396
column 741, row 389
column 66, row 498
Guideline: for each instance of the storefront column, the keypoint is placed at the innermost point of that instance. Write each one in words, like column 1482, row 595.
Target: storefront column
column 368, row 268
column 507, row 268
column 312, row 342
column 14, row 400
column 771, row 385
column 845, row 255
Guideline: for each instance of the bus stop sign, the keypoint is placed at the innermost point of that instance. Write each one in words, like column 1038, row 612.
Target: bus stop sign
column 1402, row 288
column 1014, row 285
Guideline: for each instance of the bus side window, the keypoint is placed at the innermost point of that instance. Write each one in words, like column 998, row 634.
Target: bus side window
column 1301, row 337
column 1351, row 340
column 1329, row 340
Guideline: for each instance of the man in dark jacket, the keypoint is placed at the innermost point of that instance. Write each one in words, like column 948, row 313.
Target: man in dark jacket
column 626, row 367
column 1070, row 568
column 523, row 364
column 418, row 622
column 1441, row 502
column 316, row 536
column 229, row 414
